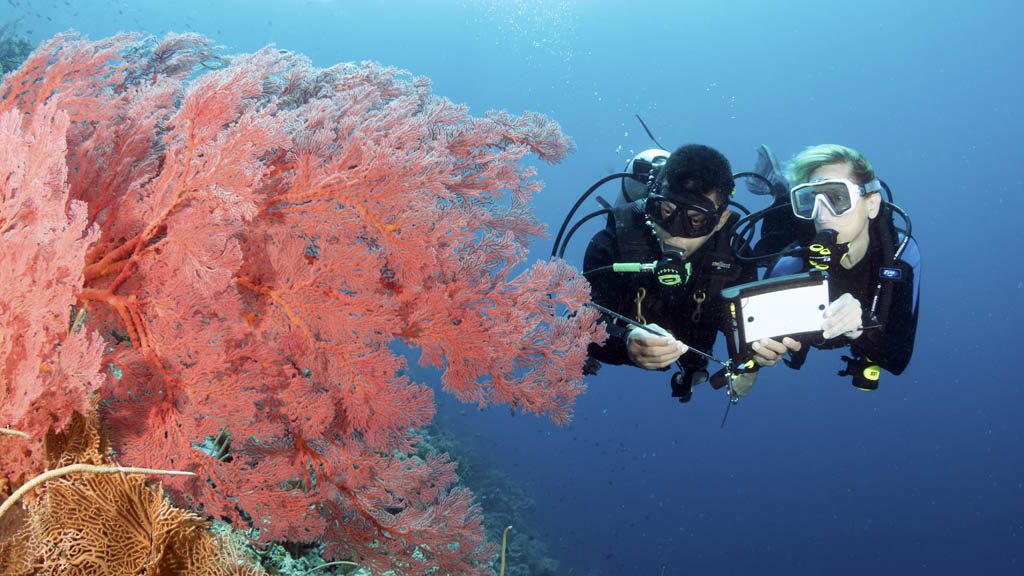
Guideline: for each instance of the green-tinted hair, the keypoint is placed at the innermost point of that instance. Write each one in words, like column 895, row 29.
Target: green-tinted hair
column 815, row 157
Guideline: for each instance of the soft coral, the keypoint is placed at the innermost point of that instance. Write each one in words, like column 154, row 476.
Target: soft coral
column 270, row 231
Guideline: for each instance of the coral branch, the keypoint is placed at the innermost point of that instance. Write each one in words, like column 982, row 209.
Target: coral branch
column 504, row 543
column 11, row 432
column 329, row 564
column 112, row 261
column 79, row 469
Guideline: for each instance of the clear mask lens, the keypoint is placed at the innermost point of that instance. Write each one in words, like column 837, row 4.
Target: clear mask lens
column 837, row 195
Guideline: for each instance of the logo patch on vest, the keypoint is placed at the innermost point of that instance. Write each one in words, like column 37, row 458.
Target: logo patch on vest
column 890, row 273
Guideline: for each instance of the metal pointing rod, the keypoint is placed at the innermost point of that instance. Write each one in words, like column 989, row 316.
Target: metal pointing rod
column 632, row 322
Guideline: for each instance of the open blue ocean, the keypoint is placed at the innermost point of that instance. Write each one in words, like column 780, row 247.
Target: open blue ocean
column 809, row 475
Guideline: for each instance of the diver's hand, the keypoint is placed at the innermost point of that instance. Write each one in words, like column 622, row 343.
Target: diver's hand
column 767, row 352
column 652, row 352
column 842, row 318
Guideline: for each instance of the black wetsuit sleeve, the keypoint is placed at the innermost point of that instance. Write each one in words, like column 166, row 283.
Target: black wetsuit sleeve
column 892, row 345
column 607, row 289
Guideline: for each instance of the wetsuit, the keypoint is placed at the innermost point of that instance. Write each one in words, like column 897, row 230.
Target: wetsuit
column 891, row 345
column 691, row 312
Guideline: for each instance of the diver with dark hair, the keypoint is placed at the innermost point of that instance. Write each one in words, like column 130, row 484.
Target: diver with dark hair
column 672, row 222
column 836, row 221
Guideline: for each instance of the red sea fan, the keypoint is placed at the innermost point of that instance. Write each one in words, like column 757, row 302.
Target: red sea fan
column 271, row 233
column 49, row 365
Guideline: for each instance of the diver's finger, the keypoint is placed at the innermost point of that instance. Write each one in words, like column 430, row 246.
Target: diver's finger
column 792, row 344
column 651, row 340
column 654, row 365
column 763, row 355
column 662, row 360
column 775, row 347
column 639, row 338
column 653, row 361
column 842, row 323
column 660, row 350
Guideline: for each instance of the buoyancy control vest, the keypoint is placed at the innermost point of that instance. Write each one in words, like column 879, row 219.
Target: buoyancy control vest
column 692, row 310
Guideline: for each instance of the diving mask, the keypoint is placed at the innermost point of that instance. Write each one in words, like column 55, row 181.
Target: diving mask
column 839, row 195
column 687, row 216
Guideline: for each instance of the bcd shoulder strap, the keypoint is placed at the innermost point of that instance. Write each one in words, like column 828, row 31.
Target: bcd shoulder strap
column 632, row 234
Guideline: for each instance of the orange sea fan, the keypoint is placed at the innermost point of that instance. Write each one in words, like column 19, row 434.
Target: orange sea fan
column 111, row 524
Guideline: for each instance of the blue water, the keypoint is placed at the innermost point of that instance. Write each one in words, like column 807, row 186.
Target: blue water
column 810, row 476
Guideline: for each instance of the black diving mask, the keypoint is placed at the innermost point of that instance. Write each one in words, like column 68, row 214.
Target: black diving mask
column 685, row 216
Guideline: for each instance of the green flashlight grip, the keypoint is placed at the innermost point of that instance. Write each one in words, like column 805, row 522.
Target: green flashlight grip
column 627, row 267
column 634, row 266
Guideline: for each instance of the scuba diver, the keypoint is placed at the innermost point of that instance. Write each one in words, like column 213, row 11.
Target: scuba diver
column 671, row 222
column 836, row 221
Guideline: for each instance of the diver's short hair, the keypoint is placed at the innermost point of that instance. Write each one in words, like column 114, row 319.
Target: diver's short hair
column 698, row 169
column 814, row 157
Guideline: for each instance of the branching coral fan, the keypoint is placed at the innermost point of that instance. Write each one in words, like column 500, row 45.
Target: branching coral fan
column 239, row 253
column 111, row 524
